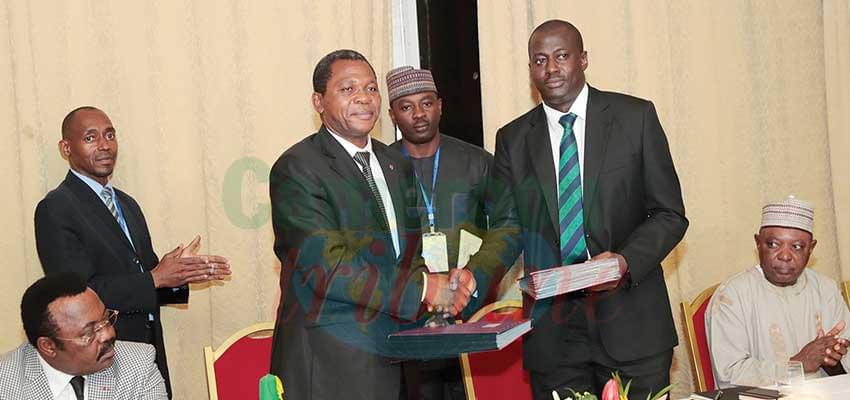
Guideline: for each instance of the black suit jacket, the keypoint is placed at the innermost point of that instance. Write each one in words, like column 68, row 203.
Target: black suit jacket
column 632, row 206
column 74, row 231
column 462, row 203
column 343, row 287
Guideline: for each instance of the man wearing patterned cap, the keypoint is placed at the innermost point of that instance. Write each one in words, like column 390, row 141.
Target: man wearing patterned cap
column 451, row 177
column 778, row 310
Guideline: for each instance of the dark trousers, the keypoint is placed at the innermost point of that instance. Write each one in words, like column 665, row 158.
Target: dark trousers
column 586, row 366
column 433, row 380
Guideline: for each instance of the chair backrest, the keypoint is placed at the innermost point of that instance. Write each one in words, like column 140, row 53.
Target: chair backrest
column 235, row 368
column 496, row 374
column 845, row 291
column 697, row 339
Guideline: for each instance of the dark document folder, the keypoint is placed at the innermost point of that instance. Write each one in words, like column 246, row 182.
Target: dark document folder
column 450, row 341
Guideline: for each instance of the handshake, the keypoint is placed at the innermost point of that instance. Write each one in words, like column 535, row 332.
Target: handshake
column 447, row 295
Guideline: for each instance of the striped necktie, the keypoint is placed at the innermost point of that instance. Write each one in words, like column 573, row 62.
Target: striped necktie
column 362, row 158
column 106, row 194
column 570, row 213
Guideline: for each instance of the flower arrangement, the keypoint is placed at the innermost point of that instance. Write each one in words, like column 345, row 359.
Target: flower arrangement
column 613, row 390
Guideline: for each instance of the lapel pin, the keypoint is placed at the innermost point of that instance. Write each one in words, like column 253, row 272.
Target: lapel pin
column 392, row 167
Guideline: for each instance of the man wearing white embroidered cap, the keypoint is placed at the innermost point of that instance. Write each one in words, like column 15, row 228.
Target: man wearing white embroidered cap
column 779, row 310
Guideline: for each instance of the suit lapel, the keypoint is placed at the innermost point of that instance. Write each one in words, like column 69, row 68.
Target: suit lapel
column 131, row 218
column 597, row 133
column 341, row 163
column 540, row 154
column 101, row 385
column 36, row 386
column 93, row 205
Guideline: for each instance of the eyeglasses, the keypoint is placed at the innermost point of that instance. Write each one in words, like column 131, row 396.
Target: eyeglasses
column 87, row 338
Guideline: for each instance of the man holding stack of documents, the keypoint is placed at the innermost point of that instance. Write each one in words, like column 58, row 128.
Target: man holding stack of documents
column 588, row 175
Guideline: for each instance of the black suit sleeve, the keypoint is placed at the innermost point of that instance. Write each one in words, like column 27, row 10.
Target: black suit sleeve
column 665, row 224
column 500, row 244
column 68, row 242
column 334, row 263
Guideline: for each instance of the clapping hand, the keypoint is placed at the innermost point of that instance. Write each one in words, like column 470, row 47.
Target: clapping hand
column 183, row 265
column 827, row 349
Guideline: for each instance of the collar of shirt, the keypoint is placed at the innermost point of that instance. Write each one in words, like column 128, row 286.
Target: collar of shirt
column 349, row 147
column 556, row 130
column 58, row 381
column 579, row 108
column 787, row 291
column 93, row 184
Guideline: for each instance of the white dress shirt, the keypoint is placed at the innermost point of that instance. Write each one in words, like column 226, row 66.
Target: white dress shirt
column 60, row 382
column 556, row 131
column 380, row 181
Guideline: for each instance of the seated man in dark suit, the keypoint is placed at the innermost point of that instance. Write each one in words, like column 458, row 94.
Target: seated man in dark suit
column 72, row 352
column 89, row 227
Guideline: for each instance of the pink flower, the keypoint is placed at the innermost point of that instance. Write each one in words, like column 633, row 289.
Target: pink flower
column 611, row 390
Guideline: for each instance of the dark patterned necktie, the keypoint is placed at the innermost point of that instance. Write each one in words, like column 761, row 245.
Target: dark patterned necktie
column 362, row 158
column 77, row 383
column 570, row 212
column 106, row 194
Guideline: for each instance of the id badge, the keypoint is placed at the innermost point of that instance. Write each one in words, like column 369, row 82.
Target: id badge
column 435, row 252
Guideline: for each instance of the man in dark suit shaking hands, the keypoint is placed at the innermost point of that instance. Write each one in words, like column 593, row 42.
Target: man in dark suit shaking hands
column 351, row 270
column 588, row 174
column 89, row 227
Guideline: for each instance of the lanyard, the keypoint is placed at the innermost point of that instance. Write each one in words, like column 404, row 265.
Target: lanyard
column 429, row 204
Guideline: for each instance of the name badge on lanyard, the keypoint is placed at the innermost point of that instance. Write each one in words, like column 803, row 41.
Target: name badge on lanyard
column 435, row 248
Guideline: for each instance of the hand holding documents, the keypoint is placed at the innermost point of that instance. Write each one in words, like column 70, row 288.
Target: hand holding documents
column 555, row 281
column 449, row 341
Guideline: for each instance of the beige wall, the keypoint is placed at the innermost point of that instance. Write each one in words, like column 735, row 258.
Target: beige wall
column 207, row 93
column 753, row 96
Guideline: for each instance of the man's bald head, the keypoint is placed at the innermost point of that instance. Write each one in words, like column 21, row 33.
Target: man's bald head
column 66, row 122
column 554, row 26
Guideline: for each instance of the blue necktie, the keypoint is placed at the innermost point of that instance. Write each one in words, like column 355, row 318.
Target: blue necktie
column 570, row 213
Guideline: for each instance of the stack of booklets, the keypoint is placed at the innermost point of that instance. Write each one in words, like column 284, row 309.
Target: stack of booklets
column 554, row 281
column 450, row 341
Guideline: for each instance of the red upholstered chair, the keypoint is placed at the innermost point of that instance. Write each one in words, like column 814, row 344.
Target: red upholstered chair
column 496, row 374
column 697, row 339
column 235, row 368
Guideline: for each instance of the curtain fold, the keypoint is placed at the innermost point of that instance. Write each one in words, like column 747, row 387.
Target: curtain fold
column 205, row 95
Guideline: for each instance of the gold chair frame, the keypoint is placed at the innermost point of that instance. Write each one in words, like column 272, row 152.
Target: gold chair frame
column 210, row 355
column 688, row 311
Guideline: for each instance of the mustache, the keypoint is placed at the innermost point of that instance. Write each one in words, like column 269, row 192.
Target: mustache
column 108, row 346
